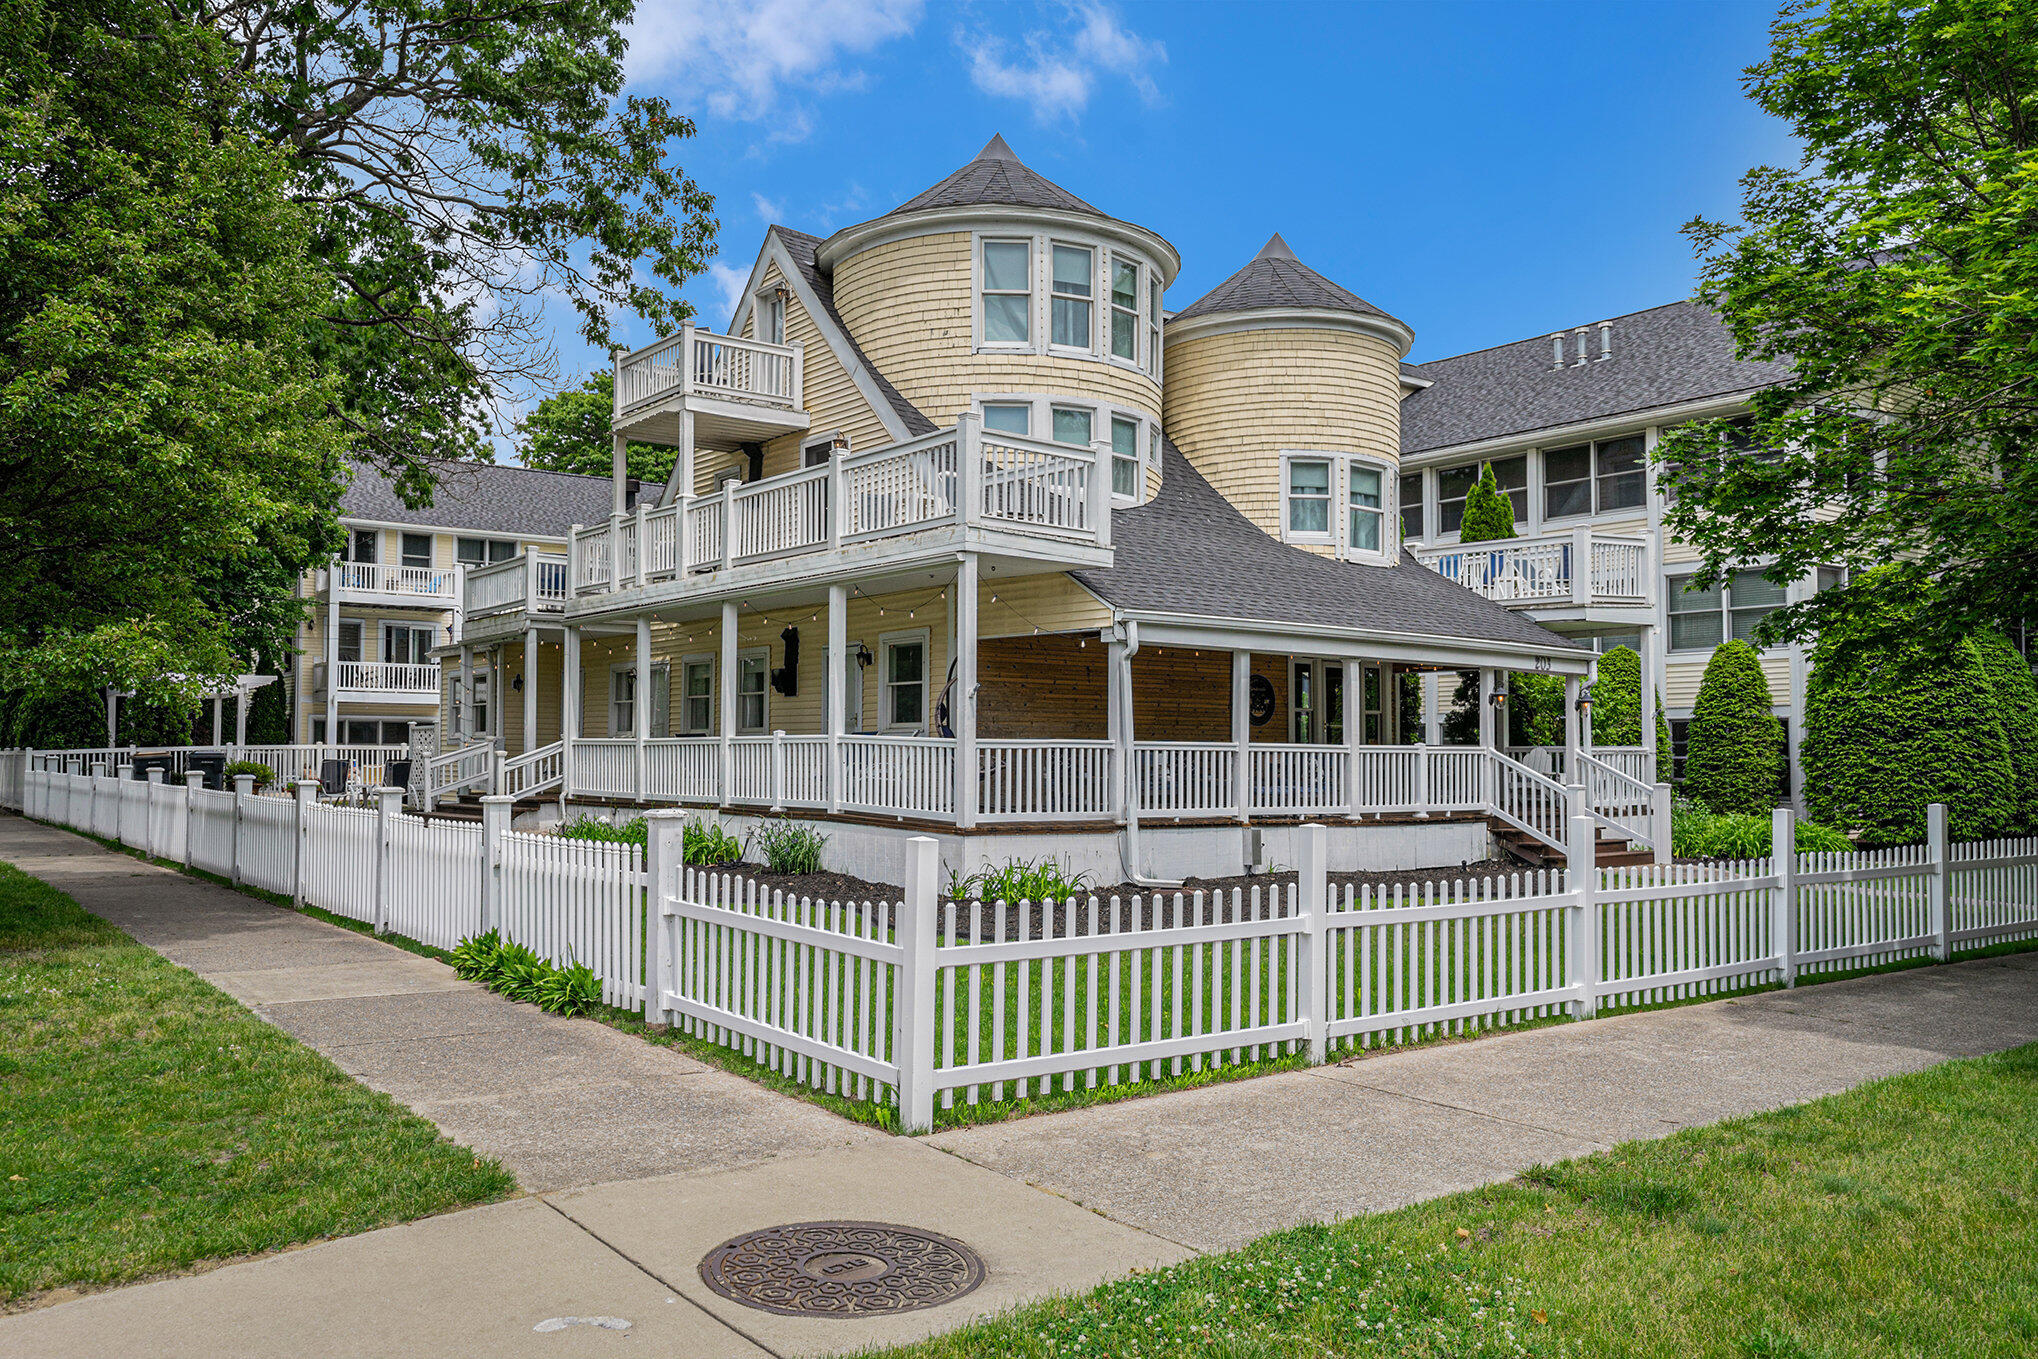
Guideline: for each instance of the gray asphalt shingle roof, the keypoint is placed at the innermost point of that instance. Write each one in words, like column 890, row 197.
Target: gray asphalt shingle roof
column 1190, row 551
column 996, row 176
column 801, row 247
column 1664, row 356
column 488, row 498
column 1275, row 278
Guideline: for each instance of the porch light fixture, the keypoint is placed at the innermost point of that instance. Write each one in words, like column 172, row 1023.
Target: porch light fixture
column 1584, row 701
column 1499, row 698
column 863, row 656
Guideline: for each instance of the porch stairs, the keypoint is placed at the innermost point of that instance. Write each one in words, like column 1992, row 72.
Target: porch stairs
column 467, row 807
column 1608, row 851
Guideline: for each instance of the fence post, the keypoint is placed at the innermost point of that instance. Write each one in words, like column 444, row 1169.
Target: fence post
column 664, row 863
column 388, row 806
column 305, row 791
column 1783, row 900
column 149, row 798
column 1937, row 907
column 244, row 788
column 495, row 819
column 778, row 771
column 1581, row 935
column 496, row 757
column 1659, row 822
column 193, row 780
column 913, row 990
column 1312, row 1000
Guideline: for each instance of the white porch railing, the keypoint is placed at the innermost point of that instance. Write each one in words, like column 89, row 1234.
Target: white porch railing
column 461, row 769
column 534, row 771
column 530, row 582
column 1014, row 485
column 419, row 681
column 1632, row 761
column 1621, row 803
column 699, row 361
column 429, row 586
column 1581, row 568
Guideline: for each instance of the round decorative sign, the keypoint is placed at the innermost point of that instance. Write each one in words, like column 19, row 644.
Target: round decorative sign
column 843, row 1269
column 1260, row 700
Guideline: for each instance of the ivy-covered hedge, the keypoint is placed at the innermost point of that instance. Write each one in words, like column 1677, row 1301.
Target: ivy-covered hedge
column 2016, row 695
column 1891, row 728
column 1617, row 707
column 1733, row 757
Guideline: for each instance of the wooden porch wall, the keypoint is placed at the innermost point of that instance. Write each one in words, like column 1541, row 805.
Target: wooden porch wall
column 1043, row 688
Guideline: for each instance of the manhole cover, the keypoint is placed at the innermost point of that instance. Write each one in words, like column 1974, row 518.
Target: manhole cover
column 842, row 1269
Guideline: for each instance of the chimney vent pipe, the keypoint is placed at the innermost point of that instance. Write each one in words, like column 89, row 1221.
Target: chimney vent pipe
column 1581, row 333
column 1605, row 341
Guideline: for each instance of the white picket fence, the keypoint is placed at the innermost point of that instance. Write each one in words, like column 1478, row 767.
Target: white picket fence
column 924, row 1001
column 437, row 882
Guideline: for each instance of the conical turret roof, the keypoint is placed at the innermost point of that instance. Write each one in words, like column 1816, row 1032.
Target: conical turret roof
column 999, row 177
column 1277, row 280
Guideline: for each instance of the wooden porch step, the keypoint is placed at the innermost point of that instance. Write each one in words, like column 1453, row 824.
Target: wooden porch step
column 1607, row 851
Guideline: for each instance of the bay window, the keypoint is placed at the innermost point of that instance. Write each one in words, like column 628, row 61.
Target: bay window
column 1008, row 292
column 1069, row 298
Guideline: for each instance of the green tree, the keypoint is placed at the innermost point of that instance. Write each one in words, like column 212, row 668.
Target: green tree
column 1617, row 707
column 1489, row 514
column 168, row 460
column 1535, row 709
column 569, row 432
column 463, row 162
column 1733, row 759
column 1896, row 270
column 2016, row 696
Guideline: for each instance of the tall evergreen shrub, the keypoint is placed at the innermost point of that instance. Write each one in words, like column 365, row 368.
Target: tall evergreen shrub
column 1733, row 758
column 2016, row 696
column 1617, row 707
column 1489, row 514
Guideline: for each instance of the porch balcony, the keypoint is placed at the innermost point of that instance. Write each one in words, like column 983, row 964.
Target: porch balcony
column 400, row 587
column 387, row 680
column 700, row 387
column 505, row 597
column 1575, row 577
column 955, row 489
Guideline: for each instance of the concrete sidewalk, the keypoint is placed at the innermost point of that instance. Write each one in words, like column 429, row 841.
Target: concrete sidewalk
column 670, row 1157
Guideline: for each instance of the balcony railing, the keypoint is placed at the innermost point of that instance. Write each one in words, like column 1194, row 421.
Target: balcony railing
column 951, row 477
column 427, row 586
column 530, row 582
column 1582, row 568
column 697, row 362
column 411, row 681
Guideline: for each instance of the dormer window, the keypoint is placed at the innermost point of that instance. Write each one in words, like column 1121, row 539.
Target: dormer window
column 1069, row 308
column 1008, row 292
column 1124, row 309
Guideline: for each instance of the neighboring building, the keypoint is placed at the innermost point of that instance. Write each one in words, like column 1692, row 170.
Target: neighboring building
column 967, row 536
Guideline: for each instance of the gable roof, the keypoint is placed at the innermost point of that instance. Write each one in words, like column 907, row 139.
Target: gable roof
column 488, row 497
column 1189, row 550
column 801, row 247
column 1276, row 279
column 1664, row 356
column 996, row 176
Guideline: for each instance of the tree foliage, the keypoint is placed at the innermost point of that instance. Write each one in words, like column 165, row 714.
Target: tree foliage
column 1535, row 709
column 1896, row 269
column 463, row 161
column 1489, row 514
column 1617, row 707
column 1733, row 759
column 168, row 461
column 569, row 432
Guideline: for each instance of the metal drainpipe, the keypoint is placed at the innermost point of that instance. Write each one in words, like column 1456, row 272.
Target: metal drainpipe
column 1129, row 846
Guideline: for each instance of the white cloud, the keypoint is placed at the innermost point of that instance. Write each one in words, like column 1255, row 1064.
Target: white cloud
column 737, row 58
column 726, row 283
column 1058, row 69
column 767, row 211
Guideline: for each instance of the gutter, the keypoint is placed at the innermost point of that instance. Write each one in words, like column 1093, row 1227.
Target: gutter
column 1129, row 846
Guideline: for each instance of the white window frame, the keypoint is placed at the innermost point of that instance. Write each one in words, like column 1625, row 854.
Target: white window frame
column 687, row 665
column 1422, row 501
column 885, row 643
column 488, row 546
column 1724, row 608
column 761, row 655
column 403, row 543
column 1155, row 347
column 1020, row 403
column 1291, row 534
column 1386, row 512
column 1112, row 259
column 361, row 630
column 978, row 291
column 618, row 730
column 1338, row 535
column 1136, row 458
column 1592, row 478
column 1041, row 418
column 392, row 625
column 1087, row 349
column 355, row 536
column 771, row 314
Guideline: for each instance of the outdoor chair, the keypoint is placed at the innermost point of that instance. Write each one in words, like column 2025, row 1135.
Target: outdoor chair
column 396, row 774
column 332, row 778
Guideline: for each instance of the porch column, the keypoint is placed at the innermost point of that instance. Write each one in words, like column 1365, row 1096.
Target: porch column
column 530, row 690
column 1120, row 662
column 1242, row 734
column 1122, row 772
column 1486, row 771
column 640, row 708
column 466, row 697
column 217, row 734
column 725, row 680
column 962, row 711
column 1353, row 717
column 242, row 699
column 1571, row 725
column 569, row 707
column 835, row 696
column 1432, row 711
column 333, row 654
column 1585, row 723
column 1648, row 677
column 619, row 481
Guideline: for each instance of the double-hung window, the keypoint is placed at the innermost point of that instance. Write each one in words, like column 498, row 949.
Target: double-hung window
column 407, row 643
column 1124, row 309
column 752, row 707
column 1367, row 508
column 1750, row 599
column 1124, row 456
column 623, row 701
column 1074, row 281
column 1454, row 484
column 417, row 549
column 481, row 551
column 1704, row 618
column 1594, row 478
column 905, row 681
column 1072, row 425
column 697, row 696
column 1008, row 292
column 1411, row 507
column 1153, row 326
column 347, row 644
column 774, row 317
column 1309, row 498
column 1009, row 417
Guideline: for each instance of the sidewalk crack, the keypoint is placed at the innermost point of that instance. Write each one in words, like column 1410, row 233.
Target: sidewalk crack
column 1464, row 1109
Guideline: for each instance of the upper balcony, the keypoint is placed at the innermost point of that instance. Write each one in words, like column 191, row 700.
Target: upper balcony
column 504, row 596
column 399, row 587
column 734, row 390
column 390, row 681
column 952, row 489
column 1573, row 577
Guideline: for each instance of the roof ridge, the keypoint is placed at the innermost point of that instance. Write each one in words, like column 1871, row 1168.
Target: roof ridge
column 1565, row 330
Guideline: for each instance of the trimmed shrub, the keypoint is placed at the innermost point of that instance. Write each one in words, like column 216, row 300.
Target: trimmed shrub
column 1489, row 514
column 1535, row 709
column 1891, row 728
column 1617, row 707
column 1734, row 749
column 2016, row 695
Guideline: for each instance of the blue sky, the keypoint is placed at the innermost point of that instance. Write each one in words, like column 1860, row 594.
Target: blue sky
column 1483, row 171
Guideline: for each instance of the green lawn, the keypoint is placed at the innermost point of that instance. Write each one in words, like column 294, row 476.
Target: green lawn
column 149, row 1123
column 1897, row 1219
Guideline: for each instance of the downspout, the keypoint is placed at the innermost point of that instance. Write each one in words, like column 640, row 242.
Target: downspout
column 1129, row 846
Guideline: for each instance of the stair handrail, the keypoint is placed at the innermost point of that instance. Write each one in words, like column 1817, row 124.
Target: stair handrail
column 535, row 771
column 457, row 769
column 1532, row 803
column 1618, row 801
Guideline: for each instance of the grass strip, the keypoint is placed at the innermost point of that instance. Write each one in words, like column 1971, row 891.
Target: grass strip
column 149, row 1123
